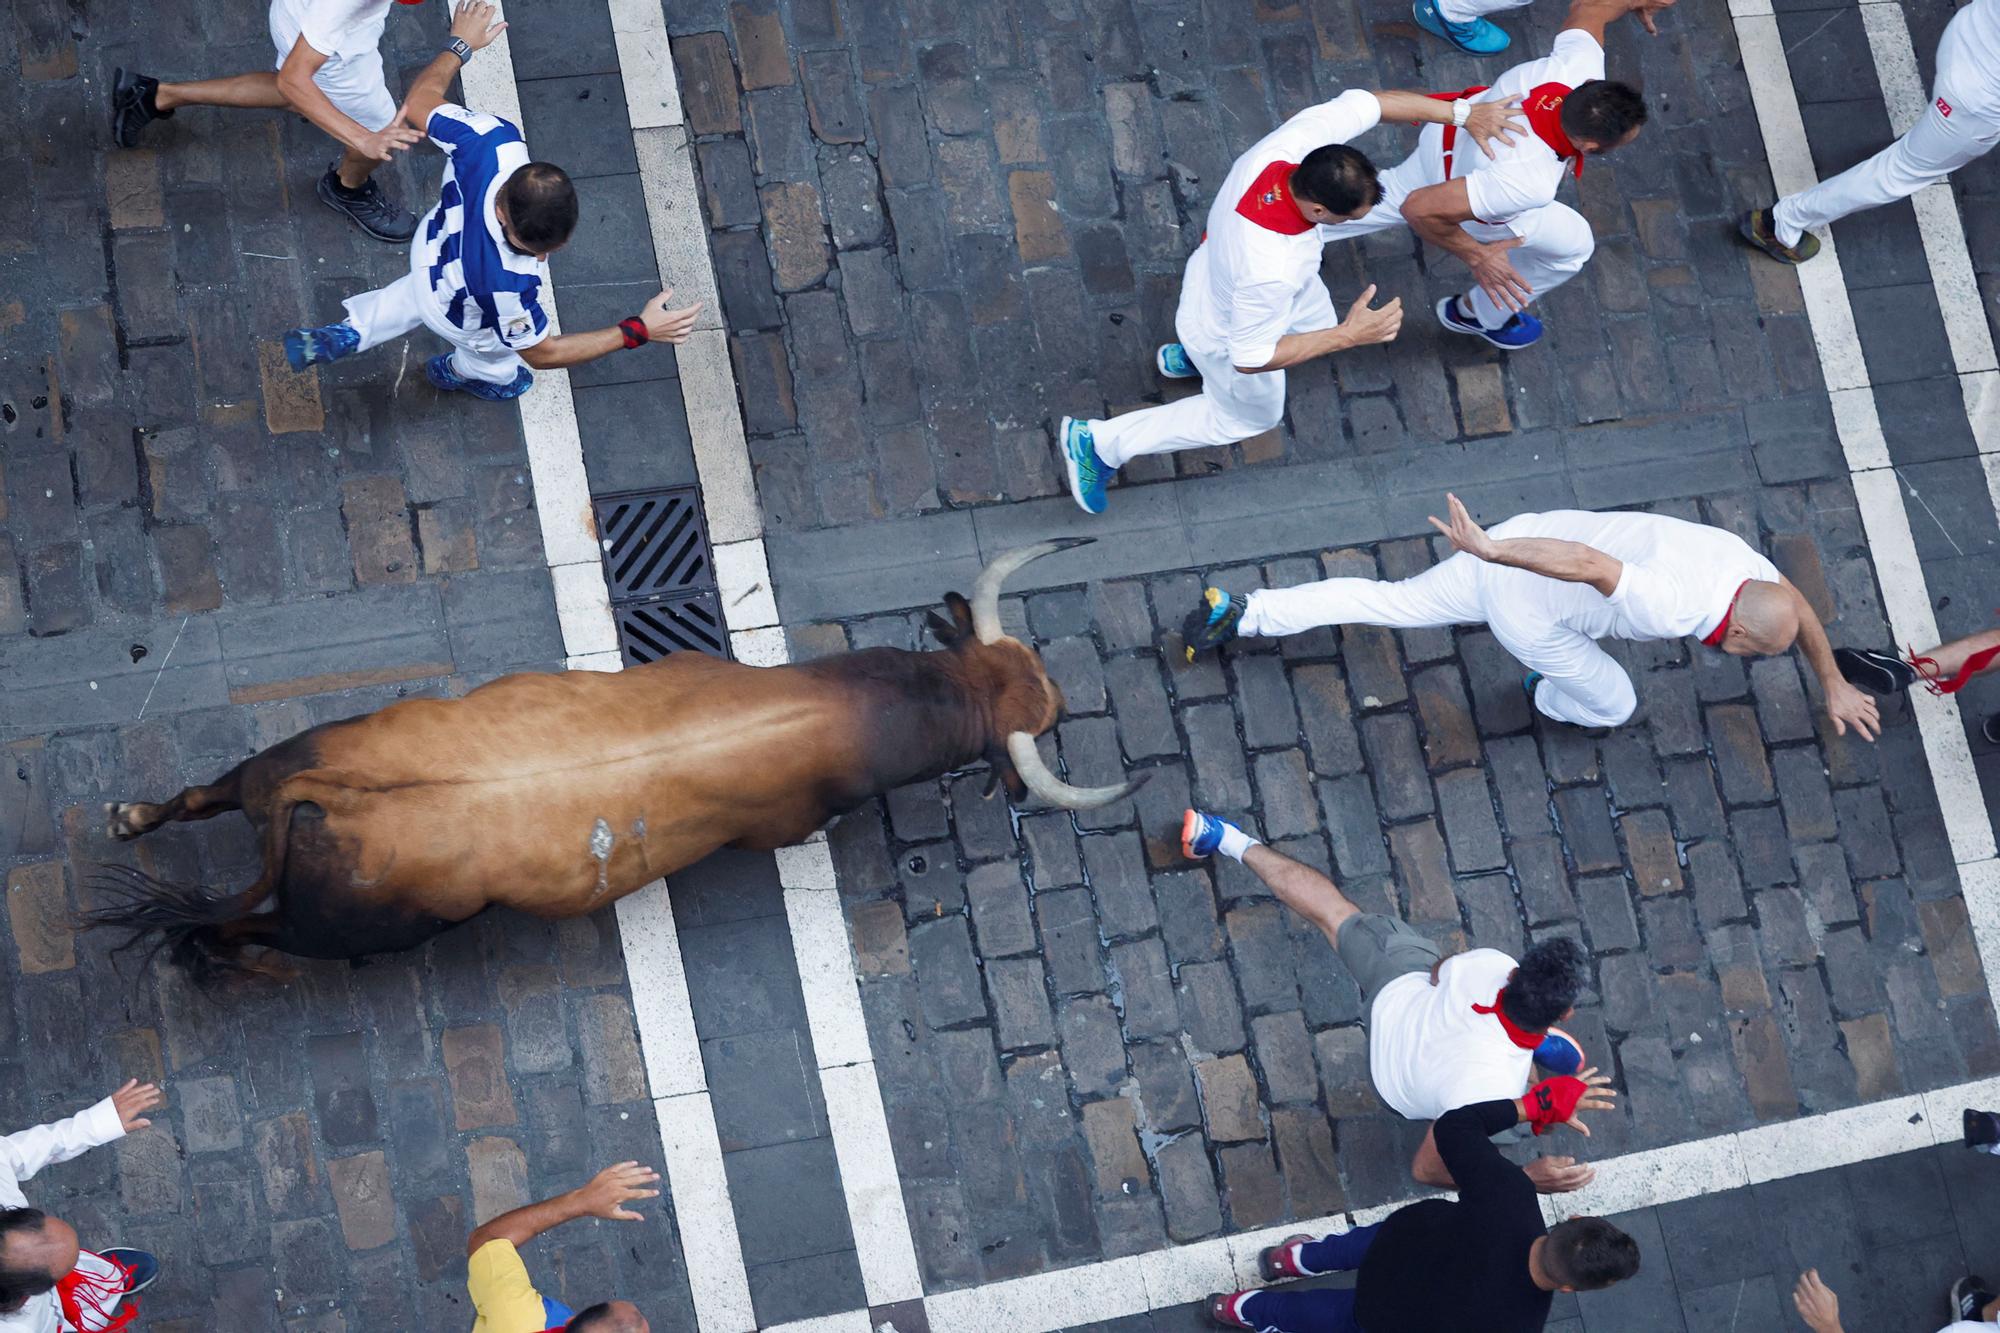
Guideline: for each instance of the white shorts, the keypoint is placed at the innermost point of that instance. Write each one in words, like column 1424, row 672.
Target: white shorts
column 355, row 84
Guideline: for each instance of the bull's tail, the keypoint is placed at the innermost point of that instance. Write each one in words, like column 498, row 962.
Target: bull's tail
column 206, row 934
column 214, row 937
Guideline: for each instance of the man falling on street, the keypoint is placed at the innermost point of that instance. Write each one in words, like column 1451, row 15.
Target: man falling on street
column 1498, row 213
column 329, row 70
column 1442, row 1032
column 48, row 1282
column 1550, row 585
column 1486, row 1261
column 1252, row 302
column 498, row 1282
column 1961, row 125
column 480, row 261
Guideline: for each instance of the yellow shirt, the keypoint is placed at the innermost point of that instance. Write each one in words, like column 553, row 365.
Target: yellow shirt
column 506, row 1300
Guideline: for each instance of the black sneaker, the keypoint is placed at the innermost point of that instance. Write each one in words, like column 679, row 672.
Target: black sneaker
column 1969, row 1297
column 1878, row 673
column 132, row 106
column 1213, row 622
column 367, row 208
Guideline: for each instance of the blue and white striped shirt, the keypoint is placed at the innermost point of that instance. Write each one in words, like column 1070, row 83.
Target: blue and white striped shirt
column 481, row 284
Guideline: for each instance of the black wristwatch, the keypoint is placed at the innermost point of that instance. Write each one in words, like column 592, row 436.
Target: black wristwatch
column 458, row 48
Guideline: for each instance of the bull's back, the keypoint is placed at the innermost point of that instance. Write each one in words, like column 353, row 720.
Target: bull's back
column 553, row 793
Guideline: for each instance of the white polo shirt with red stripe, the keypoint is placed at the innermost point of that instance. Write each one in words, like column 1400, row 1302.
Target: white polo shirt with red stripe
column 1260, row 251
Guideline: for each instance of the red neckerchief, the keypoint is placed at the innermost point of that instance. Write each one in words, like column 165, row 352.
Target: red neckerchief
column 1521, row 1037
column 1713, row 639
column 1269, row 203
column 1543, row 108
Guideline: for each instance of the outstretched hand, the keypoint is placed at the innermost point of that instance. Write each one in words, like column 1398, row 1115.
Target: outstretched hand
column 1646, row 9
column 1849, row 707
column 615, row 1186
column 1488, row 121
column 133, row 1100
column 1380, row 325
column 668, row 326
column 1816, row 1303
column 1465, row 535
column 474, row 24
column 1497, row 277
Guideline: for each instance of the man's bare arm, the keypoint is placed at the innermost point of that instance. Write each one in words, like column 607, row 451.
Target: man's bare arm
column 474, row 25
column 1362, row 327
column 1436, row 214
column 1551, row 557
column 1594, row 16
column 1846, row 705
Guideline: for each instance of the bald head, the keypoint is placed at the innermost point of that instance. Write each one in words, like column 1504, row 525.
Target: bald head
column 610, row 1317
column 1764, row 621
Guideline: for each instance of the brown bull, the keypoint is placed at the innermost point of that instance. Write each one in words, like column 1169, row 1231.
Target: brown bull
column 556, row 794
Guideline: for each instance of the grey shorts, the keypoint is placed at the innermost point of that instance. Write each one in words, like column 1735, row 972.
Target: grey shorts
column 1376, row 949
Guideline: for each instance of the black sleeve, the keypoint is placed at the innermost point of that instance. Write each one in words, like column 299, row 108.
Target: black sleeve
column 1463, row 1138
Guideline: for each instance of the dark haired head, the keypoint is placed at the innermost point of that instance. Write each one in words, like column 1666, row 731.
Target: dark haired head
column 540, row 204
column 1600, row 115
column 24, row 1261
column 1589, row 1254
column 607, row 1317
column 1545, row 985
column 1339, row 179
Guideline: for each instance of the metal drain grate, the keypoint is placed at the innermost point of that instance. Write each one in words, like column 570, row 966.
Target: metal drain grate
column 662, row 582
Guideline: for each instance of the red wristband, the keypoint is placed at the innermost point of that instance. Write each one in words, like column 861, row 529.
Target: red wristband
column 1553, row 1100
column 635, row 333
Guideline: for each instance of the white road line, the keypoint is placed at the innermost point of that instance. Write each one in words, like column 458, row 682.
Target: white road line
column 718, row 1284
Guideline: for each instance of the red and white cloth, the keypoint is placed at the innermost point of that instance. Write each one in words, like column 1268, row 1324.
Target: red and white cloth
column 22, row 1156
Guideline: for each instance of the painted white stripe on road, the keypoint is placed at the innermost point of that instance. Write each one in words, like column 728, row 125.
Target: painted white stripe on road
column 660, row 1005
column 859, row 1126
column 718, row 1283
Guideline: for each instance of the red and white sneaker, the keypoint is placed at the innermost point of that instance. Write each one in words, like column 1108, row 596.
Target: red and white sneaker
column 1282, row 1260
column 1222, row 1310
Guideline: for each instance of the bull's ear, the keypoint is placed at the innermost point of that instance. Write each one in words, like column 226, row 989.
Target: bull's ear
column 942, row 629
column 1003, row 771
column 961, row 613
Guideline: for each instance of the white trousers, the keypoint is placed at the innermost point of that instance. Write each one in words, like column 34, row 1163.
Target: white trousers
column 1581, row 683
column 353, row 83
column 1555, row 240
column 1231, row 406
column 1937, row 145
column 392, row 311
column 1465, row 11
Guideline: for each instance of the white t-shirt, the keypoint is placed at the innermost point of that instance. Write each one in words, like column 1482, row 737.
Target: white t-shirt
column 1429, row 1052
column 1680, row 578
column 1260, row 252
column 1968, row 60
column 340, row 27
column 1525, row 174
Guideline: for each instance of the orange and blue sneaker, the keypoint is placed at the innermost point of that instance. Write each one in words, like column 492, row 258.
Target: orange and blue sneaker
column 1213, row 623
column 1086, row 470
column 1173, row 362
column 1201, row 834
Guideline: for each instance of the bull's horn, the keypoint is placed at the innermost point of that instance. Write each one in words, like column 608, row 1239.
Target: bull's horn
column 1035, row 775
column 986, row 593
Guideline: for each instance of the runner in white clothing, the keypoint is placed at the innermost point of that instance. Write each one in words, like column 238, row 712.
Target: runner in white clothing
column 1961, row 125
column 1550, row 585
column 1442, row 1032
column 329, row 70
column 1499, row 213
column 1252, row 303
column 48, row 1283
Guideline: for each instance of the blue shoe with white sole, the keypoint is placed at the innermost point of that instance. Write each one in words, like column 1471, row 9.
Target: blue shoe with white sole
column 316, row 347
column 438, row 370
column 1478, row 38
column 1521, row 329
column 139, row 1267
column 1173, row 362
column 1086, row 470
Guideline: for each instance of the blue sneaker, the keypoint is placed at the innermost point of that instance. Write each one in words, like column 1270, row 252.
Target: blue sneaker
column 1559, row 1053
column 439, row 372
column 1173, row 362
column 1528, row 684
column 140, row 1268
column 1478, row 38
column 1521, row 330
column 1080, row 460
column 1213, row 622
column 1201, row 834
column 314, row 347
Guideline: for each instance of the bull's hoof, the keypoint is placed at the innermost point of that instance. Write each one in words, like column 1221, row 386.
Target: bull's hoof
column 127, row 820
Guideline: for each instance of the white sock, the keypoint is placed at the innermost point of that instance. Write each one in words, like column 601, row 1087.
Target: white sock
column 1235, row 842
